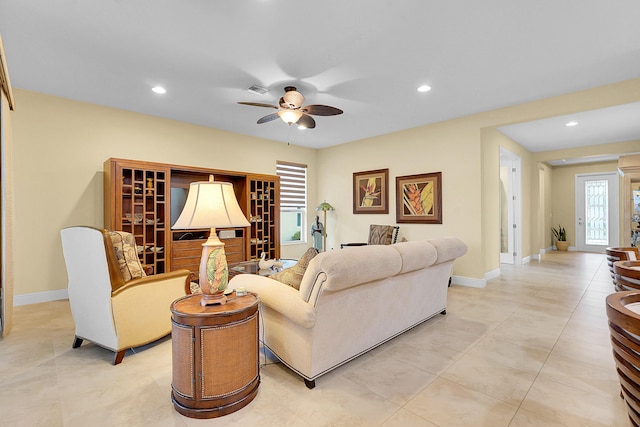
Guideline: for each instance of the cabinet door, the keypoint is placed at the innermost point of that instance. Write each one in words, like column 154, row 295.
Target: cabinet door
column 264, row 210
column 140, row 208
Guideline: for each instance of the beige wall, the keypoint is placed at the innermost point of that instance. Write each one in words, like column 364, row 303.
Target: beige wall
column 568, row 206
column 544, row 190
column 492, row 141
column 466, row 150
column 440, row 147
column 6, row 231
column 60, row 146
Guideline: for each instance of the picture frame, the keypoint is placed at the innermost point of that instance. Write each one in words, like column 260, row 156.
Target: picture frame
column 419, row 198
column 371, row 192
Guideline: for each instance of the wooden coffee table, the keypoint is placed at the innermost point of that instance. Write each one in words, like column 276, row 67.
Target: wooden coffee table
column 252, row 267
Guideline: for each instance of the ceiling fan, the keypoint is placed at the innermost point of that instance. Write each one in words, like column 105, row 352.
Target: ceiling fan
column 290, row 109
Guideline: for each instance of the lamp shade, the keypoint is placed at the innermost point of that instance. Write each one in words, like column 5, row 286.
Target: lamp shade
column 324, row 206
column 211, row 204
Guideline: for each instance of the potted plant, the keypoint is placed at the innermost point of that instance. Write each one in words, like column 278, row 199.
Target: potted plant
column 561, row 238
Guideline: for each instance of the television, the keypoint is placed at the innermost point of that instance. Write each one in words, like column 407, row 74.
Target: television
column 178, row 199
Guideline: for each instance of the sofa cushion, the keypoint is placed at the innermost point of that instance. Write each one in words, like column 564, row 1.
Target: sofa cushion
column 341, row 269
column 292, row 276
column 448, row 248
column 416, row 255
column 124, row 245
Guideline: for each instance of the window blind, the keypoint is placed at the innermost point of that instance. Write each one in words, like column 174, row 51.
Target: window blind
column 293, row 185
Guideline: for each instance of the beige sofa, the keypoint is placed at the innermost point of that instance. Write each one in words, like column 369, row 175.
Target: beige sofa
column 352, row 300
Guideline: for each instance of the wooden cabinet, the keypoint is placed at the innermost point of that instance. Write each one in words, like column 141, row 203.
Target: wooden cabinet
column 136, row 202
column 187, row 253
column 264, row 209
column 146, row 198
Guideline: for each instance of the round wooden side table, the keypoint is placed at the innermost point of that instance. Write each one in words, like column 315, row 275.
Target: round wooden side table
column 215, row 355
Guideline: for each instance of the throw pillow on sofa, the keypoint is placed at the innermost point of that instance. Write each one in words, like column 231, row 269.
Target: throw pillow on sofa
column 124, row 245
column 292, row 276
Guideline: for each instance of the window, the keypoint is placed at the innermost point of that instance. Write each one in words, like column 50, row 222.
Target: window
column 293, row 202
column 596, row 195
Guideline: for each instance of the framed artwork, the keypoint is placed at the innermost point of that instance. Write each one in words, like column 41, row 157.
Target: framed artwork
column 371, row 192
column 419, row 198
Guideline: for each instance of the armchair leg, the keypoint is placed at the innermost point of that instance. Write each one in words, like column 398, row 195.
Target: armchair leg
column 119, row 357
column 77, row 342
column 310, row 384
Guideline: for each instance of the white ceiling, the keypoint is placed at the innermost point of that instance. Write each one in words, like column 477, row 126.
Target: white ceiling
column 607, row 125
column 365, row 57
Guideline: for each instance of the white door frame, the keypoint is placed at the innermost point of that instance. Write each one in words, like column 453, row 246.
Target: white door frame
column 514, row 209
column 614, row 209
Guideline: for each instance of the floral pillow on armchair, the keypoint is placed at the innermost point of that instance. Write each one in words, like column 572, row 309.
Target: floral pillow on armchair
column 124, row 245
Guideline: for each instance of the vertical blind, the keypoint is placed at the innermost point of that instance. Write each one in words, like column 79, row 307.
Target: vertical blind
column 293, row 185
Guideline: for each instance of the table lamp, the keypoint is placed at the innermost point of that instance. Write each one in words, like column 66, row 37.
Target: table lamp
column 324, row 207
column 212, row 204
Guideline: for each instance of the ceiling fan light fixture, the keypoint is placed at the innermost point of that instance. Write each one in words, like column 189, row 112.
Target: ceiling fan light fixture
column 290, row 116
column 293, row 99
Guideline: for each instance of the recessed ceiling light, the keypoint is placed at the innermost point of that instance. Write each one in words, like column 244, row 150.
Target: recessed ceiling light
column 571, row 124
column 159, row 89
column 424, row 88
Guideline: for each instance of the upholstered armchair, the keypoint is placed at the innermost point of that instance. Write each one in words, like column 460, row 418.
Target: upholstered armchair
column 113, row 303
column 620, row 254
column 378, row 235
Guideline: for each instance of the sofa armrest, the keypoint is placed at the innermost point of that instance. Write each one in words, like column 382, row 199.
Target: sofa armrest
column 141, row 308
column 157, row 279
column 280, row 297
column 448, row 248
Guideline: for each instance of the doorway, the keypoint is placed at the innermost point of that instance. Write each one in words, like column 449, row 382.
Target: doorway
column 510, row 217
column 597, row 207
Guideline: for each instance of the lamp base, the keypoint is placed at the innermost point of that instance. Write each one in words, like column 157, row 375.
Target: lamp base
column 212, row 299
column 214, row 270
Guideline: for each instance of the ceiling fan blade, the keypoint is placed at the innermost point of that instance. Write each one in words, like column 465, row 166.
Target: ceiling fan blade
column 306, row 122
column 258, row 104
column 321, row 110
column 268, row 118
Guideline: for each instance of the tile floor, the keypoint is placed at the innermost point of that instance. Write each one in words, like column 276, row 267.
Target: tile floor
column 530, row 349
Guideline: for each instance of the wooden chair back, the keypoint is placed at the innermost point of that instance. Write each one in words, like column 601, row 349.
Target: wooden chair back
column 623, row 310
column 627, row 275
column 620, row 254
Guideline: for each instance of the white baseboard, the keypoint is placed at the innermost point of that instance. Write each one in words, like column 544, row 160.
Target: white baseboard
column 570, row 248
column 38, row 297
column 468, row 281
column 526, row 260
